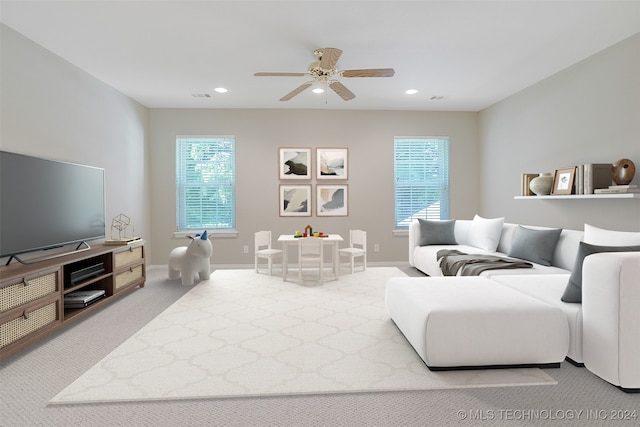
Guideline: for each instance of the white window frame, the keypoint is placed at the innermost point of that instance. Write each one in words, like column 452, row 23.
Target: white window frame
column 421, row 173
column 222, row 178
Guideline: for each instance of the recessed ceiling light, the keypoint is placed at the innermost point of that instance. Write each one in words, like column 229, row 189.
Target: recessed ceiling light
column 411, row 91
column 220, row 90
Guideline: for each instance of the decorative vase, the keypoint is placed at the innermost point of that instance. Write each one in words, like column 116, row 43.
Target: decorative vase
column 622, row 171
column 541, row 185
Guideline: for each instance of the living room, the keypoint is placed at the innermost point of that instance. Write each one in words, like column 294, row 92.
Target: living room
column 549, row 125
column 585, row 112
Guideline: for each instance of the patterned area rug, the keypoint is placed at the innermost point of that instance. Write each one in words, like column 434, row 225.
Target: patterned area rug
column 247, row 334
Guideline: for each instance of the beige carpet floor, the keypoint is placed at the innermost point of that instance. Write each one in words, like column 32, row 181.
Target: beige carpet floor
column 247, row 334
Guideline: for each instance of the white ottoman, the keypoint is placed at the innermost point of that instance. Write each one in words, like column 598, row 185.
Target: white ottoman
column 473, row 322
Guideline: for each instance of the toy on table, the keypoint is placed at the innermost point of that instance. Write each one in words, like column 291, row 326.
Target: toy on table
column 308, row 231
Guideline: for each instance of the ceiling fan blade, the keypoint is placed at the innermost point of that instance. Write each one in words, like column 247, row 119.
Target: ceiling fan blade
column 280, row 74
column 330, row 56
column 371, row 72
column 341, row 90
column 296, row 91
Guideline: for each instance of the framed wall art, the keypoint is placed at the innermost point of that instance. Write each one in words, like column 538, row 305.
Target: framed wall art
column 332, row 200
column 563, row 179
column 295, row 200
column 294, row 163
column 332, row 163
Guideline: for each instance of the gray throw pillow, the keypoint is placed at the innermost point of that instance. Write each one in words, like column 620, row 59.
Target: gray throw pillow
column 534, row 245
column 573, row 291
column 437, row 232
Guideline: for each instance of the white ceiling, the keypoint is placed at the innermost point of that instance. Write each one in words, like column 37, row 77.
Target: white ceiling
column 474, row 53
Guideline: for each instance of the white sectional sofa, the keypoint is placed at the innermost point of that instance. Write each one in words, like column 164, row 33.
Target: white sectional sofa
column 604, row 318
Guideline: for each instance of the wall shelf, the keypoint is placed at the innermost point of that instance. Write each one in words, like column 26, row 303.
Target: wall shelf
column 583, row 196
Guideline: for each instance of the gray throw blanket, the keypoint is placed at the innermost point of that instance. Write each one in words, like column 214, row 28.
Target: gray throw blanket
column 452, row 261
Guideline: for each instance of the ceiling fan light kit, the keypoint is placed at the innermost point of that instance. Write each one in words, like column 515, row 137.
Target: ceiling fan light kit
column 325, row 73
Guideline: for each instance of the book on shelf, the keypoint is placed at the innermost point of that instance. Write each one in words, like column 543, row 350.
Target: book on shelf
column 616, row 190
column 579, row 187
column 123, row 241
column 620, row 187
column 525, row 180
column 596, row 176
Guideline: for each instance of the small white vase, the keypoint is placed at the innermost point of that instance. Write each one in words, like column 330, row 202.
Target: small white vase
column 541, row 185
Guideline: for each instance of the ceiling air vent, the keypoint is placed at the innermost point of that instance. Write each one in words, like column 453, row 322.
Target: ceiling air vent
column 201, row 95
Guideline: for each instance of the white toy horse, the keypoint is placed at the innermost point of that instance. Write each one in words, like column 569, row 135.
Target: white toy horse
column 191, row 262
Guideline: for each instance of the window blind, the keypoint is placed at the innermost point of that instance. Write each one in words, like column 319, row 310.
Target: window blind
column 421, row 171
column 205, row 175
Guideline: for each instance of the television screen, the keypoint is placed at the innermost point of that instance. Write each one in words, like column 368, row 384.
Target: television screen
column 46, row 204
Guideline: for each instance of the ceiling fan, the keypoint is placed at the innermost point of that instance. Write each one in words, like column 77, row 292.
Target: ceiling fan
column 324, row 71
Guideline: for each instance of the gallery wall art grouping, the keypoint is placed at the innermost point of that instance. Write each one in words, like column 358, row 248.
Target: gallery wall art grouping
column 331, row 199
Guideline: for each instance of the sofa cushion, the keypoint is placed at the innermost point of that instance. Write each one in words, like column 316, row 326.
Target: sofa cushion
column 573, row 291
column 437, row 232
column 534, row 245
column 472, row 321
column 549, row 288
column 484, row 233
column 600, row 236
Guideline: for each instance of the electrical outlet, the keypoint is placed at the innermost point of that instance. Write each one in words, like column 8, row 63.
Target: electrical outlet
column 245, row 249
column 376, row 248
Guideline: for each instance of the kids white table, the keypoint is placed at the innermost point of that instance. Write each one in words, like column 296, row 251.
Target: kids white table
column 331, row 240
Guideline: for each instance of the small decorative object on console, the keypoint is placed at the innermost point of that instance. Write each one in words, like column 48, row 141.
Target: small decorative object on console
column 122, row 223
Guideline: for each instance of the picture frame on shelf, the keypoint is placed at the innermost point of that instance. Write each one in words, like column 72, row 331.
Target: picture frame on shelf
column 332, row 200
column 295, row 200
column 563, row 180
column 294, row 163
column 332, row 163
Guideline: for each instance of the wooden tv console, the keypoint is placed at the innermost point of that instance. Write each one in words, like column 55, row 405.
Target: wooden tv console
column 32, row 296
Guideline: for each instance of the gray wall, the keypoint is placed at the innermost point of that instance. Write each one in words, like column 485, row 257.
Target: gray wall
column 50, row 108
column 259, row 134
column 588, row 113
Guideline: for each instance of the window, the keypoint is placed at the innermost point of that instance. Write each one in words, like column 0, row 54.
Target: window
column 205, row 175
column 421, row 179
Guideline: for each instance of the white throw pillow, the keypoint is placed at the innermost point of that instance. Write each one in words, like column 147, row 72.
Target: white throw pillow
column 600, row 236
column 485, row 233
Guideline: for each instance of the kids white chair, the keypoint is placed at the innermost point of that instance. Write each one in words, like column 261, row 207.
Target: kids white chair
column 263, row 249
column 357, row 248
column 311, row 252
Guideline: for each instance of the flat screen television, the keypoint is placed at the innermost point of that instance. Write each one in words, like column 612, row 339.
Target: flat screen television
column 46, row 204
